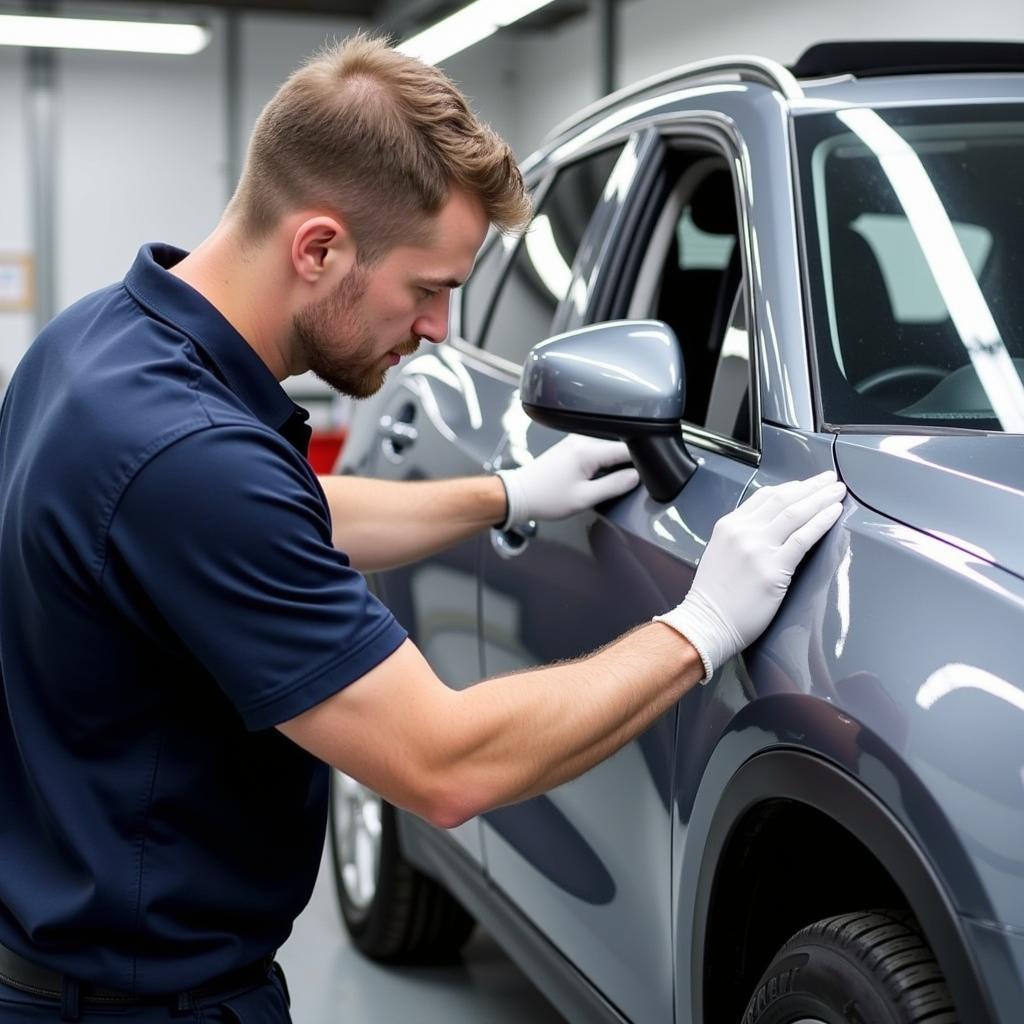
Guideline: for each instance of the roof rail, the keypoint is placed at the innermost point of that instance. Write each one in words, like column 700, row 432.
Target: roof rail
column 745, row 67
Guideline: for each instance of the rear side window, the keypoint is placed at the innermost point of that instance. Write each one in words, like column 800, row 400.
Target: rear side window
column 479, row 290
column 541, row 270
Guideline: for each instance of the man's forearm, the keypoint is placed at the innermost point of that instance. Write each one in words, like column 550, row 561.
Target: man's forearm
column 513, row 737
column 450, row 754
column 380, row 524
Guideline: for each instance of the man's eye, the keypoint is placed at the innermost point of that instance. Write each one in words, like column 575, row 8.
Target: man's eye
column 428, row 293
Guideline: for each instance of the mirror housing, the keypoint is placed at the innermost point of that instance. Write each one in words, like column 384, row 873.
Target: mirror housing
column 622, row 380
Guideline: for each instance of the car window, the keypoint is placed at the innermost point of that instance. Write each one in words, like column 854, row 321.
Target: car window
column 914, row 227
column 541, row 270
column 479, row 289
column 689, row 276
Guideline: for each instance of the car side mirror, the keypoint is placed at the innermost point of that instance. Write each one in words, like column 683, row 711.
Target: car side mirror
column 624, row 380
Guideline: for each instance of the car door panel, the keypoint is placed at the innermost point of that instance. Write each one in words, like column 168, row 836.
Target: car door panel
column 584, row 861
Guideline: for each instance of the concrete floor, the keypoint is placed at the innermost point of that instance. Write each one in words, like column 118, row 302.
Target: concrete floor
column 331, row 983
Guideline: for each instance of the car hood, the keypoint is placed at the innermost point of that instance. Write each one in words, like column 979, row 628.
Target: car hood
column 967, row 490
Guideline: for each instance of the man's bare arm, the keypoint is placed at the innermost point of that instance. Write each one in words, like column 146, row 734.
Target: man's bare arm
column 450, row 754
column 382, row 523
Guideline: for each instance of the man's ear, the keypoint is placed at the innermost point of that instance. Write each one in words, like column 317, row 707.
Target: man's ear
column 323, row 250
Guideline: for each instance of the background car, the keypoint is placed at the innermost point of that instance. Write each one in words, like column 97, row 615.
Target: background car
column 828, row 260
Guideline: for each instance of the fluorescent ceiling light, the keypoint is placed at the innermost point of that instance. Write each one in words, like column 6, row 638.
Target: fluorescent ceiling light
column 466, row 27
column 89, row 34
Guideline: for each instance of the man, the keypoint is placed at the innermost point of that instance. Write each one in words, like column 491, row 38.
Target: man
column 186, row 639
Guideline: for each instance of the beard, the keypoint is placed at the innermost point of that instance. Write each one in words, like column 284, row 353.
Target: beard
column 354, row 367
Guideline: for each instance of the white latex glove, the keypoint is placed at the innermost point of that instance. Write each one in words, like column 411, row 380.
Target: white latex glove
column 746, row 568
column 558, row 483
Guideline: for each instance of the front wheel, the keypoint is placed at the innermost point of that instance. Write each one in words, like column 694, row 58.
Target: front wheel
column 873, row 967
column 393, row 912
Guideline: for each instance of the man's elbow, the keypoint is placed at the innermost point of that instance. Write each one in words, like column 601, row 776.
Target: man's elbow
column 448, row 801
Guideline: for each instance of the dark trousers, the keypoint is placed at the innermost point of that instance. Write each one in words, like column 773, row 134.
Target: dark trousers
column 265, row 1004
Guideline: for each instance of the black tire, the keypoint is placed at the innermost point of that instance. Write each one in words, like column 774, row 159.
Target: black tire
column 411, row 918
column 869, row 967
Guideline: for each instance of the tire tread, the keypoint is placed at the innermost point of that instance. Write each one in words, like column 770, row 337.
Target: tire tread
column 889, row 946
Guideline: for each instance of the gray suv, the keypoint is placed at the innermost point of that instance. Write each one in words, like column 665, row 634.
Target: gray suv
column 751, row 274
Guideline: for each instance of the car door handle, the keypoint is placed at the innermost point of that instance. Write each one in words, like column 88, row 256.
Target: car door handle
column 397, row 435
column 514, row 541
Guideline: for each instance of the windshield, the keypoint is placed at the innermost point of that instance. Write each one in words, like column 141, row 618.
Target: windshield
column 914, row 233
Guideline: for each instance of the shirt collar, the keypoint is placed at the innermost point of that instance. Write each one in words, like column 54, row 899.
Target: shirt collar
column 172, row 300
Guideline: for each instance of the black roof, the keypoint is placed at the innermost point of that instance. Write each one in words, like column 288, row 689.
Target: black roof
column 900, row 57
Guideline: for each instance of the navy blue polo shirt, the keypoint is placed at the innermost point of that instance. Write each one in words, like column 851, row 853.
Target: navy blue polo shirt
column 168, row 593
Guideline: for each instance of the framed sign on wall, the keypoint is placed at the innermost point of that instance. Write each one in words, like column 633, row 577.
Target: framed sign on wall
column 17, row 276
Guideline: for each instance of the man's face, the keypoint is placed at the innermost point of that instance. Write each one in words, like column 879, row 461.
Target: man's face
column 378, row 314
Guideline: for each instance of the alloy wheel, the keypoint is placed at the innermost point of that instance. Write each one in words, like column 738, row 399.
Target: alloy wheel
column 357, row 826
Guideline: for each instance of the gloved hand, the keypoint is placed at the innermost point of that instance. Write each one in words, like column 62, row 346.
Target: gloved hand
column 746, row 568
column 558, row 483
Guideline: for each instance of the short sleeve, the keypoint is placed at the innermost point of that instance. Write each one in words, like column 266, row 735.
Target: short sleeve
column 227, row 535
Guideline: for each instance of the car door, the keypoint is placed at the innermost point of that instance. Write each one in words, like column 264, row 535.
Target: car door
column 590, row 862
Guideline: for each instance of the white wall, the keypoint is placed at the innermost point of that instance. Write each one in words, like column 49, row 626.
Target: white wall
column 140, row 157
column 16, row 329
column 273, row 46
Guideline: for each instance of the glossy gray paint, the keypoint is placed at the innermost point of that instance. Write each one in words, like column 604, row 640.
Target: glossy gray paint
column 591, row 577
column 890, row 658
column 866, row 666
column 967, row 491
column 632, row 366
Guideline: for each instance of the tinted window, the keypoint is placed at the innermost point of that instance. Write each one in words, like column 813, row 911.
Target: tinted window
column 541, row 270
column 915, row 234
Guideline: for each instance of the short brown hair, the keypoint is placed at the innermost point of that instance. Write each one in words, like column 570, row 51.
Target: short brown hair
column 379, row 137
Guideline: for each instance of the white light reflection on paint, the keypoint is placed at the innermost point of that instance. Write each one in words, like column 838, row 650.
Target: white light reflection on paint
column 843, row 600
column 903, row 447
column 516, row 424
column 947, row 262
column 432, row 409
column 958, row 561
column 468, row 389
column 672, row 513
column 659, row 529
column 613, row 372
column 430, row 366
column 955, row 676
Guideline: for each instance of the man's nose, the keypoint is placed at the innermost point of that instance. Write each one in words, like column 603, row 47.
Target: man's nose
column 432, row 324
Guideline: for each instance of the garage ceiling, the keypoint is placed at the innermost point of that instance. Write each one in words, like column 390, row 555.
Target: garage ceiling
column 398, row 16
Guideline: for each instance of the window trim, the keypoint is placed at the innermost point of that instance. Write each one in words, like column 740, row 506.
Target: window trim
column 716, row 134
column 539, row 187
column 549, row 178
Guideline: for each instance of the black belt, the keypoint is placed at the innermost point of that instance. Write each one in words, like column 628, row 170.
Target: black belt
column 26, row 976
